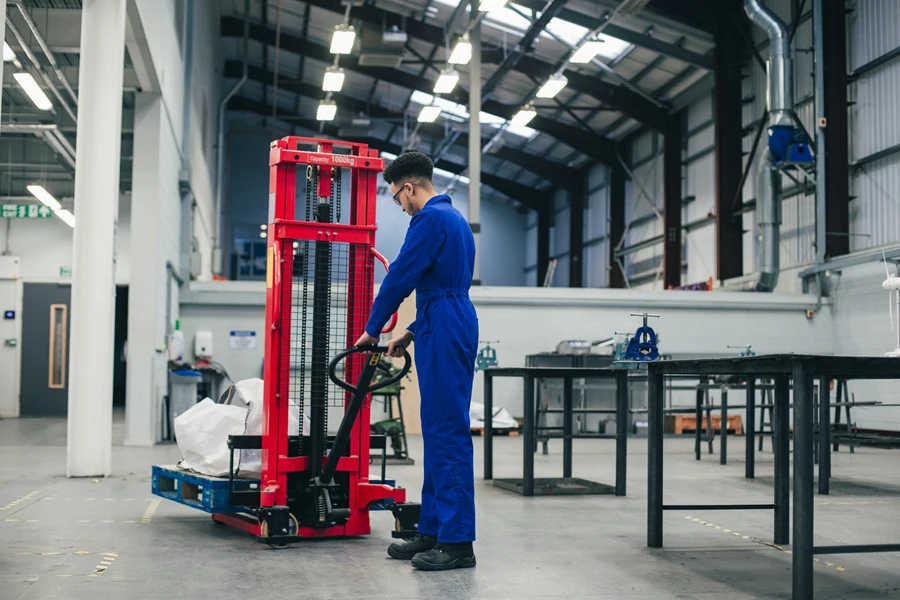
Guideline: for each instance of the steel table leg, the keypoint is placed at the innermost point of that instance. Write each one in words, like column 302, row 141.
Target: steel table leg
column 750, row 431
column 488, row 426
column 781, row 424
column 723, row 425
column 567, row 427
column 529, row 440
column 655, row 428
column 824, row 435
column 710, row 432
column 802, row 547
column 698, row 429
column 622, row 412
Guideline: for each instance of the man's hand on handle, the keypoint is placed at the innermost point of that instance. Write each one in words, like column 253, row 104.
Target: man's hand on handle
column 397, row 346
column 366, row 340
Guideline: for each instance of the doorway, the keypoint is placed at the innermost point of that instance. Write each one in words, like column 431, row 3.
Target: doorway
column 46, row 320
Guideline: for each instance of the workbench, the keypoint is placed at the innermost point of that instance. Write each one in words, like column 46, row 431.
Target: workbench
column 529, row 375
column 803, row 369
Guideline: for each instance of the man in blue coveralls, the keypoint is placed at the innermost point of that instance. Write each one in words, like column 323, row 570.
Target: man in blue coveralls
column 437, row 260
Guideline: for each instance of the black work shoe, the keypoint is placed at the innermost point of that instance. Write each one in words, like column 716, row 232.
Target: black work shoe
column 445, row 556
column 406, row 550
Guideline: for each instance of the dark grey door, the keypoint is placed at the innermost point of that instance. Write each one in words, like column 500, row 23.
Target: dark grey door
column 45, row 349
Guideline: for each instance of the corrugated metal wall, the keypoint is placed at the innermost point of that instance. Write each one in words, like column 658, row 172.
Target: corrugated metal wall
column 873, row 29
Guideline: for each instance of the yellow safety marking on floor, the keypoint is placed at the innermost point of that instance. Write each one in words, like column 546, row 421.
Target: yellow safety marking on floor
column 104, row 564
column 79, row 552
column 25, row 498
column 852, row 503
column 765, row 543
column 148, row 515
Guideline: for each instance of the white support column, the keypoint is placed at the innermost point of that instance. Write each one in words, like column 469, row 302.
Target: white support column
column 475, row 137
column 2, row 39
column 142, row 416
column 94, row 260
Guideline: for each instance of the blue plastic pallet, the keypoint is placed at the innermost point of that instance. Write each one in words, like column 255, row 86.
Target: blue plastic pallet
column 210, row 494
column 203, row 492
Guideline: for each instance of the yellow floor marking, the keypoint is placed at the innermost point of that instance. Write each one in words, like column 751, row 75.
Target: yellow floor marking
column 148, row 515
column 763, row 542
column 25, row 498
column 104, row 564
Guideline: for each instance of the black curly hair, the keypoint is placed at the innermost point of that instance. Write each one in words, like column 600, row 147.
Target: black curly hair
column 409, row 166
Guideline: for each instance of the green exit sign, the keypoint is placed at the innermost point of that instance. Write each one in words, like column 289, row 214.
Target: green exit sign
column 25, row 211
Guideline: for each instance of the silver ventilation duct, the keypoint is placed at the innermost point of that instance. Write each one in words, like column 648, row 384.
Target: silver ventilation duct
column 780, row 102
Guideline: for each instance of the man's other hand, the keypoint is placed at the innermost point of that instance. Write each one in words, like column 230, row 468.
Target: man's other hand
column 366, row 340
column 397, row 346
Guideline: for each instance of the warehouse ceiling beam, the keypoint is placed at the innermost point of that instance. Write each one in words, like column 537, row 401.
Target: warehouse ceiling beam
column 628, row 35
column 602, row 150
column 374, row 16
column 552, row 172
column 526, row 195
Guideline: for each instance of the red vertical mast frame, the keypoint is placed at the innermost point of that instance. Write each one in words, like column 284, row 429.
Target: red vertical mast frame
column 286, row 155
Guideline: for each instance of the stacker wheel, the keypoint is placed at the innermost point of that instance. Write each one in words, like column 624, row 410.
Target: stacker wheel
column 294, row 527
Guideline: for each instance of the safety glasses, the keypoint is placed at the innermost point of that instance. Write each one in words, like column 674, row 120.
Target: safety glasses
column 396, row 196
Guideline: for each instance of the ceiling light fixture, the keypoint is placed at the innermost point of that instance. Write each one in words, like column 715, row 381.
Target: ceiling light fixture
column 429, row 114
column 446, row 82
column 34, row 91
column 342, row 41
column 553, row 86
column 8, row 54
column 67, row 217
column 462, row 52
column 489, row 5
column 44, row 196
column 524, row 116
column 326, row 111
column 334, row 79
column 587, row 52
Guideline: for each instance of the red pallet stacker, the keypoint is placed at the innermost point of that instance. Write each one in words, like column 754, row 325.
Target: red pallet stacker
column 319, row 292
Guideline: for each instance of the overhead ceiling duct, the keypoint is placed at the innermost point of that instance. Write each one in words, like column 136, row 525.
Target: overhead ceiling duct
column 780, row 103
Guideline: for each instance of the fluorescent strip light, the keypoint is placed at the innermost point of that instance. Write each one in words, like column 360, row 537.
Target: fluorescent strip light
column 524, row 116
column 388, row 155
column 446, row 82
column 326, row 111
column 489, row 5
column 342, row 41
column 67, row 217
column 8, row 54
column 429, row 114
column 44, row 196
column 553, row 86
column 34, row 91
column 587, row 52
column 333, row 81
column 462, row 52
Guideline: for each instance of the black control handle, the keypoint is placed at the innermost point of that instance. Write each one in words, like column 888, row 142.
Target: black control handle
column 377, row 352
column 363, row 386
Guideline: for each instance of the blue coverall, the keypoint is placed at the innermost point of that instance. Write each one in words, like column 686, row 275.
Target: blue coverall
column 437, row 260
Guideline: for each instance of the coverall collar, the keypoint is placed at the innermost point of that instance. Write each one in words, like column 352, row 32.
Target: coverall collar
column 439, row 198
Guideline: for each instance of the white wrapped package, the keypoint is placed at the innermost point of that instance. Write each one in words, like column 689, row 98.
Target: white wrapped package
column 202, row 431
column 503, row 419
column 202, row 434
column 251, row 391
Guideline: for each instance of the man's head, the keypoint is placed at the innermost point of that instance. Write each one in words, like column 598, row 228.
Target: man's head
column 410, row 178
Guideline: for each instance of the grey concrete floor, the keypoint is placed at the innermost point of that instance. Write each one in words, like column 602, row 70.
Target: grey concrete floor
column 110, row 538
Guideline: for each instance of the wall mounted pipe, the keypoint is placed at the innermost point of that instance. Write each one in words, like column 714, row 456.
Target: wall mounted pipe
column 218, row 258
column 47, row 52
column 779, row 102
